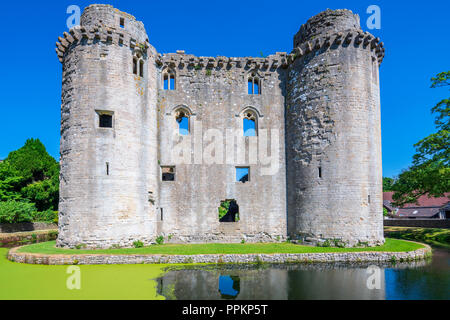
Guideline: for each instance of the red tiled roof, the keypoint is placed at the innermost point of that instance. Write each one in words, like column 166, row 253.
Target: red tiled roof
column 423, row 201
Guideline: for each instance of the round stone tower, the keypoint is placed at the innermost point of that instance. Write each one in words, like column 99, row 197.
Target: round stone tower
column 333, row 132
column 108, row 132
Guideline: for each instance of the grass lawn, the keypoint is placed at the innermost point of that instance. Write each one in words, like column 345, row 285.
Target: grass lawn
column 432, row 236
column 391, row 245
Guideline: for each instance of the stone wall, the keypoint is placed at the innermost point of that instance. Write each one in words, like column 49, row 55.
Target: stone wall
column 26, row 226
column 213, row 92
column 107, row 173
column 318, row 108
column 10, row 240
column 333, row 133
column 31, row 258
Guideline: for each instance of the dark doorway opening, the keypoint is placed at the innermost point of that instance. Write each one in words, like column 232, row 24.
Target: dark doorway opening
column 229, row 211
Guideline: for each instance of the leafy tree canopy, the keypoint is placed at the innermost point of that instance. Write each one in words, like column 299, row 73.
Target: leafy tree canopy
column 387, row 184
column 30, row 174
column 430, row 170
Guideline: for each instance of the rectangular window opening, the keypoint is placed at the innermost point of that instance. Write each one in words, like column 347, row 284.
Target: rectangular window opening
column 141, row 68
column 105, row 120
column 107, row 168
column 135, row 66
column 242, row 174
column 256, row 88
column 320, row 172
column 168, row 173
column 250, row 86
column 166, row 82
column 122, row 22
column 172, row 82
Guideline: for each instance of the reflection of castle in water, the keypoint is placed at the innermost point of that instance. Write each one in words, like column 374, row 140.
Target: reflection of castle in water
column 278, row 282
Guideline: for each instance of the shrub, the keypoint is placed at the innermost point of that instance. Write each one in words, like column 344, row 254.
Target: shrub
column 138, row 244
column 46, row 216
column 16, row 212
column 160, row 240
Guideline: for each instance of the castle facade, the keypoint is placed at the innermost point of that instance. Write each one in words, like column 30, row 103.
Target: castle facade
column 218, row 149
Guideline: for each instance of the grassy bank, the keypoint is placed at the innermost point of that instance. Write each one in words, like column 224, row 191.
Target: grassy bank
column 432, row 236
column 391, row 245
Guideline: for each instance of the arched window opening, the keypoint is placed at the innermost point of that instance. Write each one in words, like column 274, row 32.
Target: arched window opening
column 250, row 124
column 168, row 80
column 182, row 119
column 254, row 85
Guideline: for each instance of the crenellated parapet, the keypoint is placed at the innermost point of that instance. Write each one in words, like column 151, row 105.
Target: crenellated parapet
column 357, row 39
column 93, row 34
column 181, row 60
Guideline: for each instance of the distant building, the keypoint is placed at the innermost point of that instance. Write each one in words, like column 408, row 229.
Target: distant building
column 425, row 208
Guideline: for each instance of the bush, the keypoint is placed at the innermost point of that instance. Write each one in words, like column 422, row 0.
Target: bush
column 46, row 216
column 160, row 240
column 16, row 212
column 138, row 244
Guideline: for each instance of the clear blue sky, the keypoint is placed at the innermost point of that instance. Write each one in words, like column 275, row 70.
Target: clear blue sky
column 416, row 36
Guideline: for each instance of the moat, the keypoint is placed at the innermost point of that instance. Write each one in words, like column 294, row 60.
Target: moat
column 402, row 281
column 428, row 279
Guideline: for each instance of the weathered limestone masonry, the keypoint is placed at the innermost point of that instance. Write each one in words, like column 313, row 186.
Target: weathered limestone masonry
column 333, row 257
column 322, row 99
column 333, row 140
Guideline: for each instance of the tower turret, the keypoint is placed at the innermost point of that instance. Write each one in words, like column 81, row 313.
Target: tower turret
column 108, row 132
column 333, row 132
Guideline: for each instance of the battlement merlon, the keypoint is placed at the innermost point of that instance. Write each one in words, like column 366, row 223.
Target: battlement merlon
column 182, row 60
column 107, row 35
column 334, row 28
column 326, row 29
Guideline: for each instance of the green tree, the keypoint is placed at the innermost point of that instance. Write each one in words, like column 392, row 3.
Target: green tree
column 430, row 170
column 11, row 182
column 387, row 184
column 30, row 174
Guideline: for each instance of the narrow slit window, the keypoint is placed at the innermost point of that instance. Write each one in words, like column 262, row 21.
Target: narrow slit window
column 135, row 66
column 141, row 68
column 320, row 172
column 172, row 82
column 168, row 173
column 166, row 82
column 255, row 87
column 107, row 168
column 368, row 198
column 122, row 22
column 242, row 174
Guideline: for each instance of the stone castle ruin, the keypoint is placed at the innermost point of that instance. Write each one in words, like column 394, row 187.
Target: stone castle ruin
column 125, row 107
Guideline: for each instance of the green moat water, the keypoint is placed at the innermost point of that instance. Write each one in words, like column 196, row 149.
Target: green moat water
column 416, row 280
